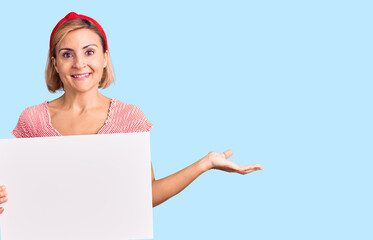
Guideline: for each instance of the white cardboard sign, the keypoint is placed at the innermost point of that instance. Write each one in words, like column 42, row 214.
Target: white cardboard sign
column 77, row 187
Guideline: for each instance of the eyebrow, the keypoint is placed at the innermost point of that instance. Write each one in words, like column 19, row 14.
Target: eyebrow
column 69, row 49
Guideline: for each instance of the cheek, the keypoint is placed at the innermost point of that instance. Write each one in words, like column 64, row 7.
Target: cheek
column 63, row 67
column 98, row 65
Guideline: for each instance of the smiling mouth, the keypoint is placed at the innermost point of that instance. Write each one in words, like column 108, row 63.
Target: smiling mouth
column 81, row 75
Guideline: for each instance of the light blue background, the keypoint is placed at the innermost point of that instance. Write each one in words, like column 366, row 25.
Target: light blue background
column 283, row 83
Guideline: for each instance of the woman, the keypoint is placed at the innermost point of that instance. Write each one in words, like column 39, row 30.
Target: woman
column 79, row 64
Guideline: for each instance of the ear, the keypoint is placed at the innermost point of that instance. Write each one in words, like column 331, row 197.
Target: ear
column 106, row 56
column 54, row 64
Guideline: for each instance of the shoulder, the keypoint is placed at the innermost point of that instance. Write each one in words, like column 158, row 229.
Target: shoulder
column 125, row 110
column 129, row 116
column 33, row 111
column 30, row 119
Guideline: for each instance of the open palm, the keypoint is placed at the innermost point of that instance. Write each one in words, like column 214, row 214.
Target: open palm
column 220, row 161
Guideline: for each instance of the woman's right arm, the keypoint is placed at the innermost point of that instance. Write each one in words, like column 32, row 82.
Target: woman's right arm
column 3, row 197
column 165, row 188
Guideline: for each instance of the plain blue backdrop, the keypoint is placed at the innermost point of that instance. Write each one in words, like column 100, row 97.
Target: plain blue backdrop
column 287, row 84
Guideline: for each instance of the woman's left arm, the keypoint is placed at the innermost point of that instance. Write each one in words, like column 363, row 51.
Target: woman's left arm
column 167, row 187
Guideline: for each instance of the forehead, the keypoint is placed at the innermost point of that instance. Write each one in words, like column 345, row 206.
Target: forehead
column 79, row 38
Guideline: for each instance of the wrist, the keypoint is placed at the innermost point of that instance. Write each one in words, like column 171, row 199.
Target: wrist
column 204, row 164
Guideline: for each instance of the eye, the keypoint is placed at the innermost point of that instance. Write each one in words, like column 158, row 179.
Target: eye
column 67, row 55
column 90, row 52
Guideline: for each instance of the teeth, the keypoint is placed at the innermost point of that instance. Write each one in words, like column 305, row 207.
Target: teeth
column 79, row 76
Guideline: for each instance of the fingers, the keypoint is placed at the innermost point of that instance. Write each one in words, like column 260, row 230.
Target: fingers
column 256, row 166
column 250, row 168
column 3, row 200
column 228, row 153
column 3, row 192
column 3, row 197
column 253, row 167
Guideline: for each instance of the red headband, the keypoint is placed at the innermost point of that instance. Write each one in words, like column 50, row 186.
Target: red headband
column 73, row 15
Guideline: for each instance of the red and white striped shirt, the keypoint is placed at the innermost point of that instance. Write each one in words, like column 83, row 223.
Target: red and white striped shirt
column 35, row 121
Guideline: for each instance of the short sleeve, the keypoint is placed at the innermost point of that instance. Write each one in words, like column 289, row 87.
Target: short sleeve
column 140, row 123
column 21, row 130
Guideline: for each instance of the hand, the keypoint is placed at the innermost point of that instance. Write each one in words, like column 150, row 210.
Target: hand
column 3, row 197
column 219, row 161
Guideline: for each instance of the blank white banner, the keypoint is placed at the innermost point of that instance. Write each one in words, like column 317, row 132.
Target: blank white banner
column 95, row 187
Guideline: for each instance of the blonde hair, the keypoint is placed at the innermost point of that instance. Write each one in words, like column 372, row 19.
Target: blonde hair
column 52, row 77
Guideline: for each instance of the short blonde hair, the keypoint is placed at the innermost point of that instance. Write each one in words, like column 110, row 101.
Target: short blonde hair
column 52, row 77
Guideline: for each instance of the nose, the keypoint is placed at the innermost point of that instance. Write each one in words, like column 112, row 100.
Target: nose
column 79, row 62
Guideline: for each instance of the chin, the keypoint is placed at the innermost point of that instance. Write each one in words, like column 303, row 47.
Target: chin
column 84, row 89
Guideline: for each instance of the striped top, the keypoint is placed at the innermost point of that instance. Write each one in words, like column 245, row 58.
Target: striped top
column 35, row 121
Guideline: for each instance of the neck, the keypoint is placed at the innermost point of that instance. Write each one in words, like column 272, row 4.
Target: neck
column 81, row 102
